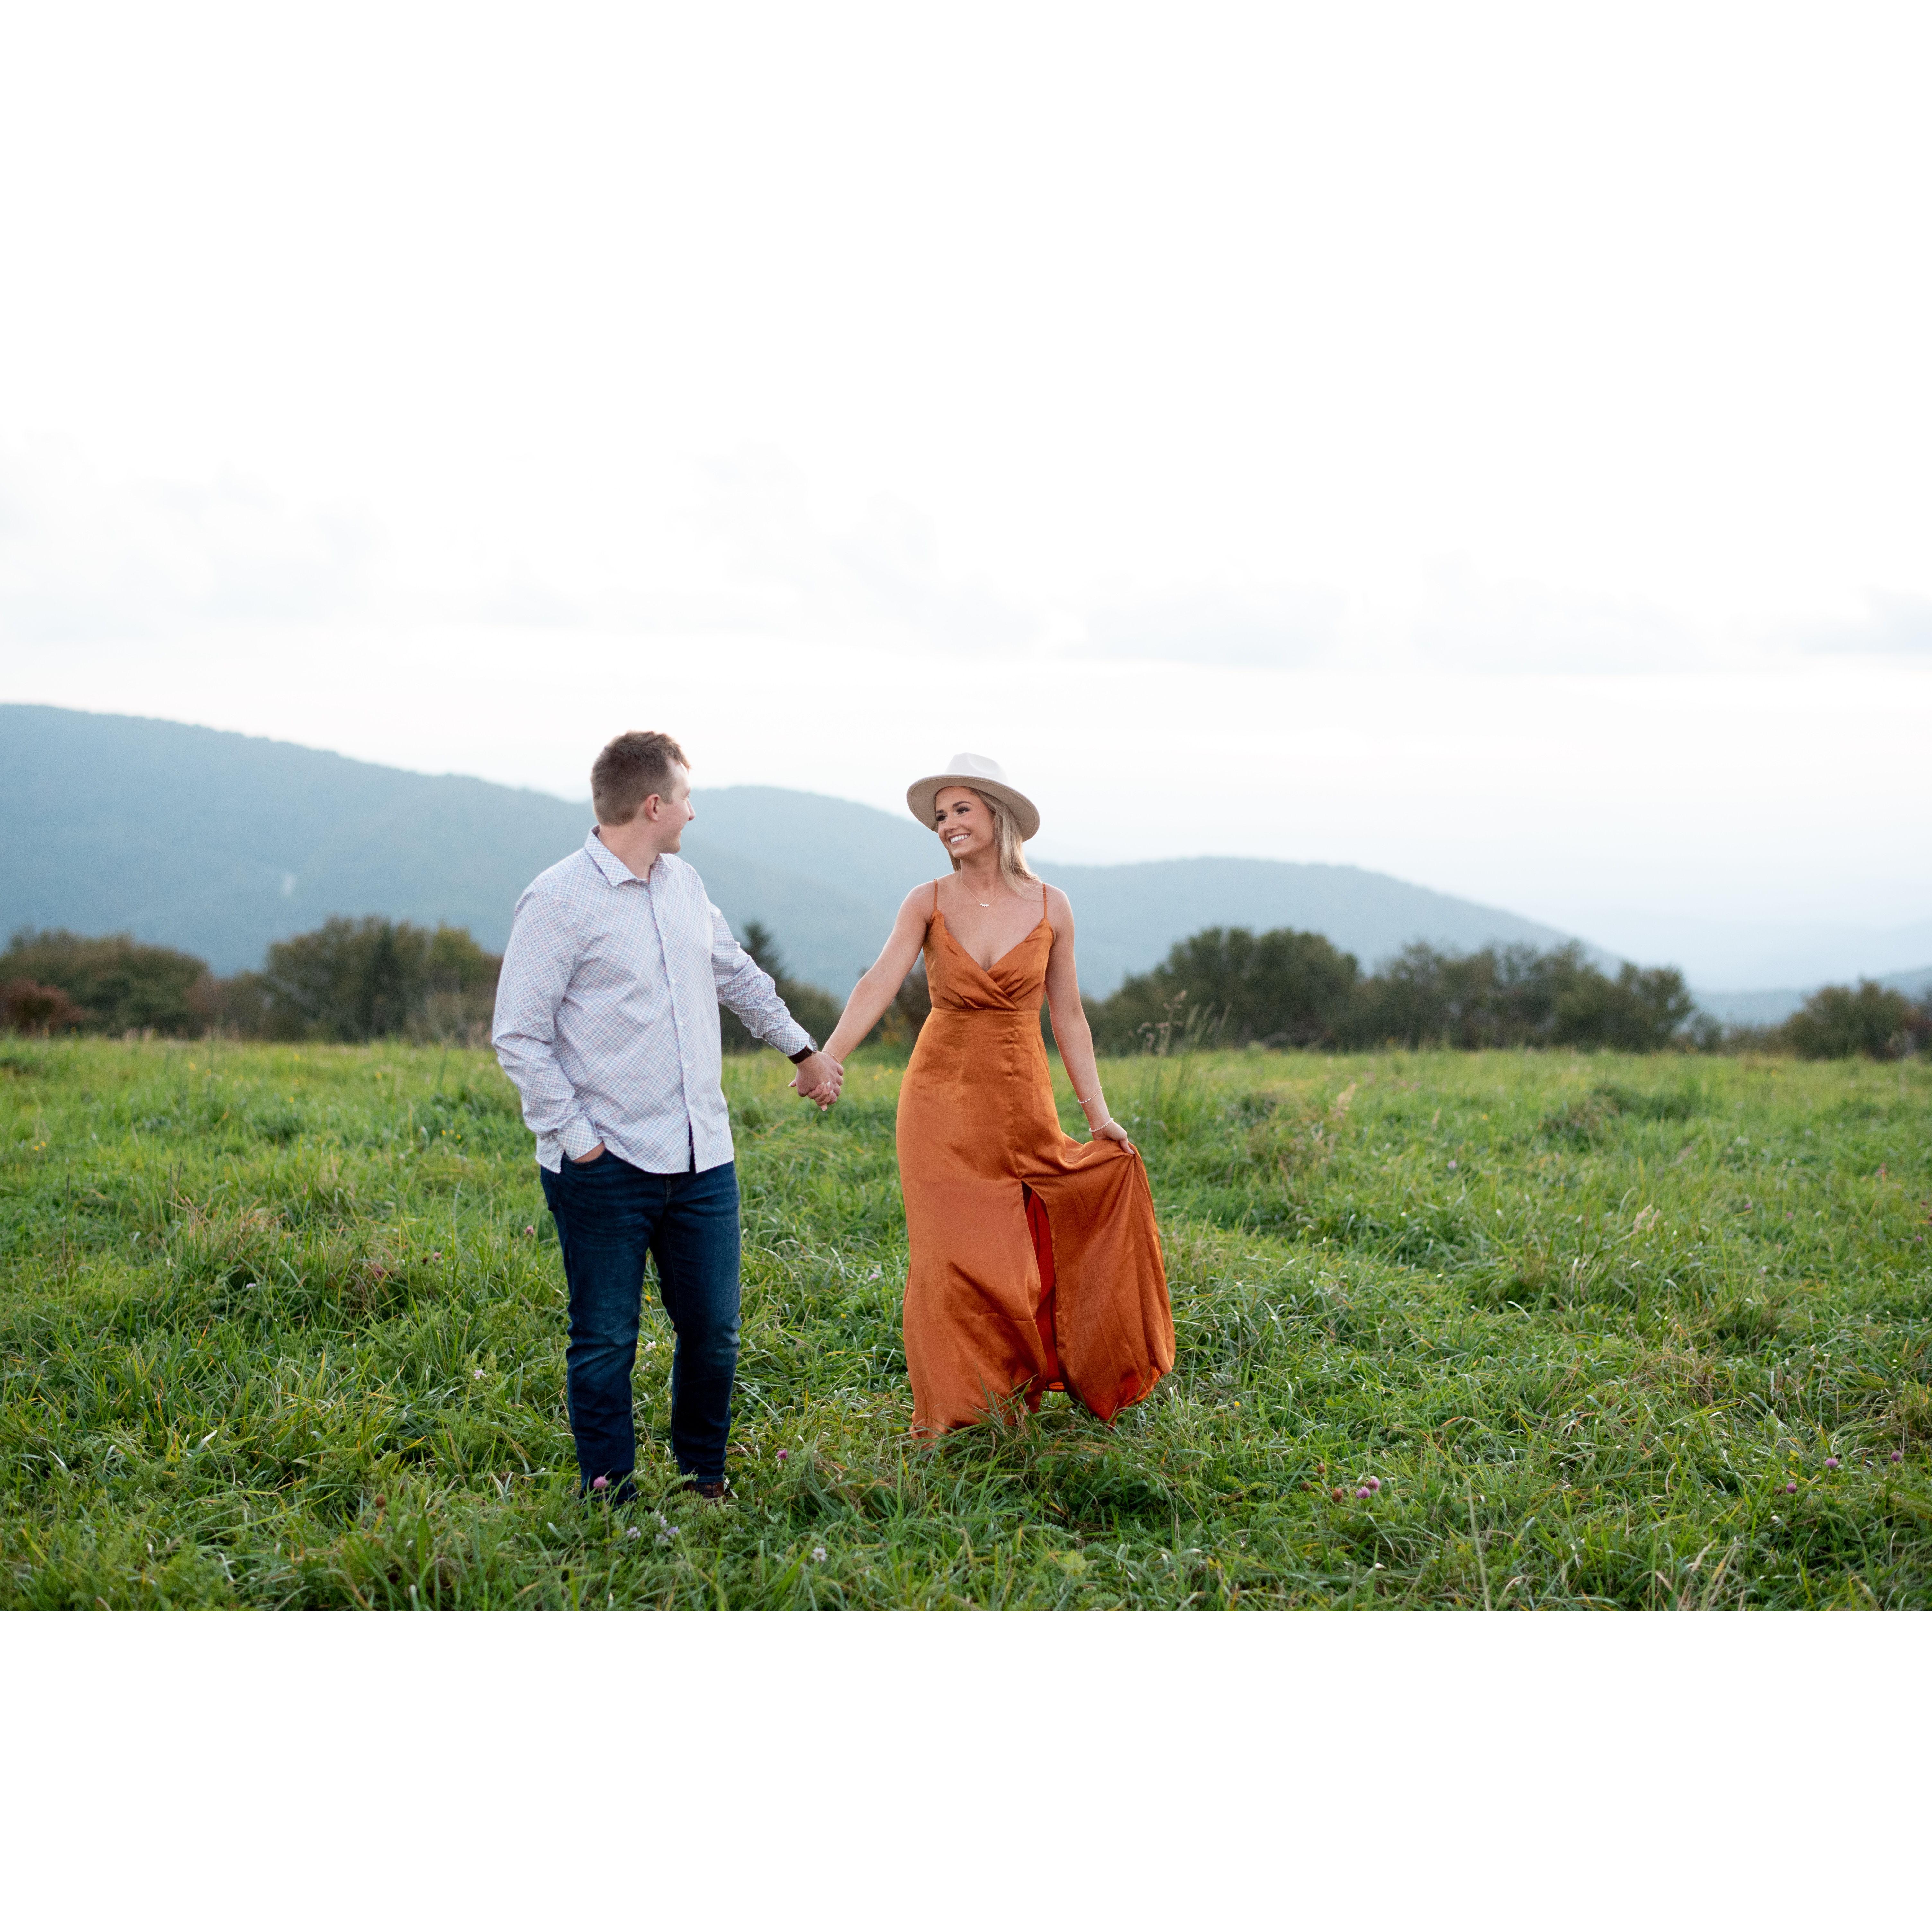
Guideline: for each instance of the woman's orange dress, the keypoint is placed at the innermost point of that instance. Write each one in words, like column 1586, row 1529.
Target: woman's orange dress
column 1035, row 1262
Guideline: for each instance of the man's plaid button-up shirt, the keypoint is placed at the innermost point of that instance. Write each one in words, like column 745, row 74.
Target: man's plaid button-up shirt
column 606, row 1011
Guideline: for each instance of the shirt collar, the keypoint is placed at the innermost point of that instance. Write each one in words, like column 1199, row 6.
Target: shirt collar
column 607, row 862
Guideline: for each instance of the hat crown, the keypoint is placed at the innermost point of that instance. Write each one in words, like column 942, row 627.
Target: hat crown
column 971, row 765
column 973, row 770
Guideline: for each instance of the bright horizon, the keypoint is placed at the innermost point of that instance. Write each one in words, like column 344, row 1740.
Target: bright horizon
column 1485, row 449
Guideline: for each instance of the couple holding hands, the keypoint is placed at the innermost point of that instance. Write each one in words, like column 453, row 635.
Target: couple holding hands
column 1034, row 1260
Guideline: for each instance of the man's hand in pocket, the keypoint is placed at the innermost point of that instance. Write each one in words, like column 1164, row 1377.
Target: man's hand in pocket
column 578, row 1159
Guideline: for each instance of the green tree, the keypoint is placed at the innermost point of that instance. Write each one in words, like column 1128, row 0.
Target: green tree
column 1279, row 988
column 1644, row 1010
column 353, row 979
column 115, row 983
column 813, row 1008
column 1837, row 1022
column 1515, row 996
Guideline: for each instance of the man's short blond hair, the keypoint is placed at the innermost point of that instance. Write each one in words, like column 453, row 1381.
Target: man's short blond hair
column 628, row 770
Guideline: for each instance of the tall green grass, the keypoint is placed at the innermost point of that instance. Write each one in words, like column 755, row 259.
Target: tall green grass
column 284, row 1327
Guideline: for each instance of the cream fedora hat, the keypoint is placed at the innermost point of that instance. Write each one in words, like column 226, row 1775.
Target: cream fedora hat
column 968, row 768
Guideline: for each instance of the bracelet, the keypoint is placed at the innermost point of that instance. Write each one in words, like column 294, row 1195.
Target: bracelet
column 1090, row 1099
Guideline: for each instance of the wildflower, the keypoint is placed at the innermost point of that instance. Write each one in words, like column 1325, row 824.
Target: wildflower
column 476, row 1375
column 1791, row 1489
column 818, row 1553
column 1362, row 1490
column 1830, row 1462
column 1898, row 1455
column 1337, row 1494
column 783, row 1454
column 601, row 1483
column 633, row 1530
column 437, row 1256
column 1452, row 1167
column 1373, row 1482
column 529, row 1231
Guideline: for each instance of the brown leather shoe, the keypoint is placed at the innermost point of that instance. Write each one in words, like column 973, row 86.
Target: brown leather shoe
column 719, row 1491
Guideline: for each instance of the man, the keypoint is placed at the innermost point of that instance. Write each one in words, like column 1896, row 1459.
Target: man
column 607, row 1020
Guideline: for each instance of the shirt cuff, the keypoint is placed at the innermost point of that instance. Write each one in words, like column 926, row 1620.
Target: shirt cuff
column 580, row 1137
column 789, row 1038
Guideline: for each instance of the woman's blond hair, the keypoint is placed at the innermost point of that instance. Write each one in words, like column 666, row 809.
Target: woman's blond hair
column 1011, row 847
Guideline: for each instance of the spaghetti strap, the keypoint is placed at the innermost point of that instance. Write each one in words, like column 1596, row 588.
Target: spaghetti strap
column 935, row 914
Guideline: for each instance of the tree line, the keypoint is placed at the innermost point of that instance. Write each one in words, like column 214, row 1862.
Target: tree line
column 350, row 979
column 1230, row 987
column 365, row 978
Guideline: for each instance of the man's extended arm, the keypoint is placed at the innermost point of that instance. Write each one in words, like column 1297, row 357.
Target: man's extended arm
column 538, row 963
column 748, row 990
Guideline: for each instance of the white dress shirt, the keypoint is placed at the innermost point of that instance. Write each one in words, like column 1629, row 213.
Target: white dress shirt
column 606, row 1011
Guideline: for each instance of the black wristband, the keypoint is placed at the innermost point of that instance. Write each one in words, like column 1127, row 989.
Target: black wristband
column 803, row 1053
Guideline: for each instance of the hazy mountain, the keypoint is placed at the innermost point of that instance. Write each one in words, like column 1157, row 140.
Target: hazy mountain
column 1766, row 953
column 219, row 844
column 1127, row 916
column 1768, row 1006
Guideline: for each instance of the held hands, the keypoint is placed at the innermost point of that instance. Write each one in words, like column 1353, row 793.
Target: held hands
column 818, row 1079
column 1112, row 1130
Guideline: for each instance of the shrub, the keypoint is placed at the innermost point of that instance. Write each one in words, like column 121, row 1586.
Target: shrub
column 27, row 1007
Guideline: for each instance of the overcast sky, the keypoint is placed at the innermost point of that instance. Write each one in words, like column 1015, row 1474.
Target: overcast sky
column 1487, row 444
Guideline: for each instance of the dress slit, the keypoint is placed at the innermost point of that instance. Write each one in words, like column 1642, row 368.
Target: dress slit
column 1041, row 1229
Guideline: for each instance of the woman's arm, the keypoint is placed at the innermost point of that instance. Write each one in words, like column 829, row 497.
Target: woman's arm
column 1071, row 1033
column 875, row 993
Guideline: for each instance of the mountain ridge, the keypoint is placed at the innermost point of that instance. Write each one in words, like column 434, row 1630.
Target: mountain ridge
column 220, row 843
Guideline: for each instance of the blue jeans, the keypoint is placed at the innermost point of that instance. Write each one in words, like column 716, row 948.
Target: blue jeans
column 609, row 1214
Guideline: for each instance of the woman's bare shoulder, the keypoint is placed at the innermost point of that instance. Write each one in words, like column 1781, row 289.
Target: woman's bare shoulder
column 920, row 902
column 1058, row 905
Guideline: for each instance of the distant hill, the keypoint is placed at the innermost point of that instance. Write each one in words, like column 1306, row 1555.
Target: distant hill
column 1772, row 1005
column 1126, row 915
column 219, row 844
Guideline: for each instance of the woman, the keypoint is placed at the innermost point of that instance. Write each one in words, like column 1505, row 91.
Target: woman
column 1035, row 1262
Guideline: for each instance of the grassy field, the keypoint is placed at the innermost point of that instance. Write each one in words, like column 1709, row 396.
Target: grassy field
column 284, row 1327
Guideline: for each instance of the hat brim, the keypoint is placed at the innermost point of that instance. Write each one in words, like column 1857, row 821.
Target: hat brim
column 923, row 793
